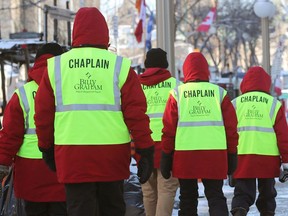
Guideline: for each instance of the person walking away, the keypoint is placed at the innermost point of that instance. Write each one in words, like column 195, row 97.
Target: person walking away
column 92, row 101
column 263, row 144
column 199, row 138
column 34, row 182
column 158, row 193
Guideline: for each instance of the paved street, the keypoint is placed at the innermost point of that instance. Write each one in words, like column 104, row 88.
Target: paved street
column 282, row 200
column 133, row 197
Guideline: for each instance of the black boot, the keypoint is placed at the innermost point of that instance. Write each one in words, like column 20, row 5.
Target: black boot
column 239, row 211
column 267, row 213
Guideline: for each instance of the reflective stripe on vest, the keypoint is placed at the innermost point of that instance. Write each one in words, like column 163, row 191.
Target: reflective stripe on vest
column 200, row 124
column 256, row 113
column 156, row 97
column 29, row 148
column 88, row 100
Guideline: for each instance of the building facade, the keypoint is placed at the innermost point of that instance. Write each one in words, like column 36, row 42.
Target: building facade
column 36, row 16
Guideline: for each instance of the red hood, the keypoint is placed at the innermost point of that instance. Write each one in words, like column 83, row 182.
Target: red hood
column 152, row 76
column 90, row 28
column 40, row 64
column 195, row 67
column 256, row 79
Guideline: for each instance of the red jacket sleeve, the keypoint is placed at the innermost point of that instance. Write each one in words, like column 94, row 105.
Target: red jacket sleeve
column 45, row 113
column 134, row 109
column 12, row 133
column 230, row 123
column 170, row 120
column 280, row 128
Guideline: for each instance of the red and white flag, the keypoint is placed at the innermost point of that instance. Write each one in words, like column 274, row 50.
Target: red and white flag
column 141, row 7
column 208, row 20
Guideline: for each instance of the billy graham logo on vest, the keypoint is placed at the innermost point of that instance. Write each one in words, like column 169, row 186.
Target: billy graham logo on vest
column 253, row 113
column 88, row 85
column 199, row 110
column 156, row 100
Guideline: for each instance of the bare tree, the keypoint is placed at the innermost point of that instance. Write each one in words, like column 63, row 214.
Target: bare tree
column 236, row 30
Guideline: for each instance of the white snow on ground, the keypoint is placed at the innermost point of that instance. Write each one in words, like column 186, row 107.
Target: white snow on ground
column 281, row 199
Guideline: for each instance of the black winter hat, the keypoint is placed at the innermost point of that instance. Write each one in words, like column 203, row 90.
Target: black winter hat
column 156, row 57
column 49, row 48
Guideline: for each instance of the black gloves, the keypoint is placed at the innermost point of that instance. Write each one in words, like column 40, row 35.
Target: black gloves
column 232, row 163
column 283, row 177
column 166, row 164
column 48, row 157
column 146, row 164
column 231, row 181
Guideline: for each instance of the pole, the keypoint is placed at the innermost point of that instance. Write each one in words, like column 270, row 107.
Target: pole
column 3, row 87
column 165, row 30
column 68, row 26
column 27, row 60
column 46, row 23
column 55, row 38
column 265, row 44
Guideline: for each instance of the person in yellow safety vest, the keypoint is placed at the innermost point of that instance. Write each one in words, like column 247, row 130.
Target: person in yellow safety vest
column 263, row 144
column 158, row 192
column 92, row 101
column 33, row 182
column 199, row 138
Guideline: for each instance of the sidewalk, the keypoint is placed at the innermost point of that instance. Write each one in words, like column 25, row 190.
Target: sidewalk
column 281, row 199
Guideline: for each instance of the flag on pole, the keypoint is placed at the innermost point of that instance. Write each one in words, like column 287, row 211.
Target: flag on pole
column 142, row 19
column 149, row 32
column 208, row 20
column 138, row 5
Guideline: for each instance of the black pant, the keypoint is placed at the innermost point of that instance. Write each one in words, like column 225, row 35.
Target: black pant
column 95, row 199
column 245, row 194
column 45, row 208
column 213, row 191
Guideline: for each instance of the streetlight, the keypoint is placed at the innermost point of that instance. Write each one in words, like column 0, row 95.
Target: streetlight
column 265, row 9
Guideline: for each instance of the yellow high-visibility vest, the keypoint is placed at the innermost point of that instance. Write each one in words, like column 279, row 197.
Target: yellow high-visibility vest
column 200, row 123
column 156, row 98
column 86, row 84
column 26, row 95
column 256, row 113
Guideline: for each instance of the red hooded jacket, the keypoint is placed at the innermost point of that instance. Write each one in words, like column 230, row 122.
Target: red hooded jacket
column 93, row 163
column 209, row 164
column 33, row 180
column 152, row 76
column 259, row 166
